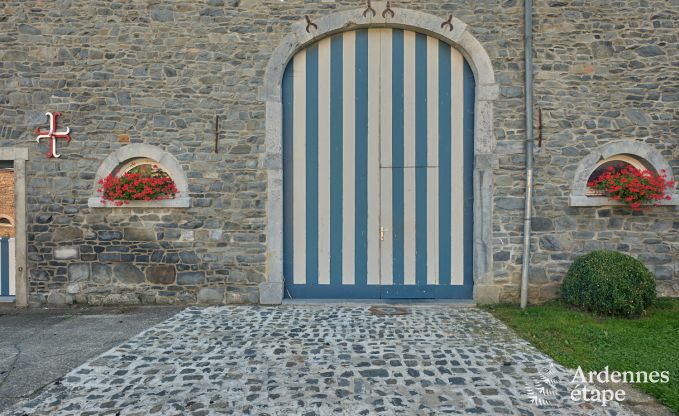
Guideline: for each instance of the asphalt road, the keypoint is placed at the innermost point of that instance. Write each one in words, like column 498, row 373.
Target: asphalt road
column 38, row 346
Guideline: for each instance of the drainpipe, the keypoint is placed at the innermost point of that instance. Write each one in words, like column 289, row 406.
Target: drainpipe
column 528, row 55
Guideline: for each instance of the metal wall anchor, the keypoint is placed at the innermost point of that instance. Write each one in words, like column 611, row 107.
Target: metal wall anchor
column 310, row 24
column 216, row 133
column 539, row 127
column 369, row 9
column 448, row 23
column 388, row 11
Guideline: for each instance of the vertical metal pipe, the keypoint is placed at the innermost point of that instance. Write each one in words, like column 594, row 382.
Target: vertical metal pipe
column 528, row 55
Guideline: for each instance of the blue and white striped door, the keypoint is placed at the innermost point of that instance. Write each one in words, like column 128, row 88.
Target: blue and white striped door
column 378, row 159
column 7, row 283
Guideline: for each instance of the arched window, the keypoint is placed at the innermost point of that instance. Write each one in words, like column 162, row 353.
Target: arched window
column 143, row 165
column 5, row 221
column 618, row 163
column 146, row 162
column 137, row 179
column 616, row 155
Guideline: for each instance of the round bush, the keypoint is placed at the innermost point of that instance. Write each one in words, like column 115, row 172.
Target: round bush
column 609, row 283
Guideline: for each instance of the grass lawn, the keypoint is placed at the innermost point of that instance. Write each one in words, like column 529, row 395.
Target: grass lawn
column 576, row 338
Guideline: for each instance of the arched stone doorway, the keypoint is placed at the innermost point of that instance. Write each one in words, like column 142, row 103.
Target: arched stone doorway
column 486, row 91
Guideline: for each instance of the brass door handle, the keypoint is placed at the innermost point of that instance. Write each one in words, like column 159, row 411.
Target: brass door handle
column 382, row 230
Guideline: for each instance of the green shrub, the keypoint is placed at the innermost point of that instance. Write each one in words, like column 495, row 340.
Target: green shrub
column 609, row 283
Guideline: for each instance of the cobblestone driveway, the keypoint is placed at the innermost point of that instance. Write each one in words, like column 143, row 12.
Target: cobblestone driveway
column 314, row 360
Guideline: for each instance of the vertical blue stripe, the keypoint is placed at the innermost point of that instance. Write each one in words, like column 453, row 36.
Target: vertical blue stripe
column 469, row 101
column 287, row 172
column 361, row 247
column 312, row 164
column 421, row 159
column 336, row 159
column 397, row 126
column 4, row 267
column 445, row 174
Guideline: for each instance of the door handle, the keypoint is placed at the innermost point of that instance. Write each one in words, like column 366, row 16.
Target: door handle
column 382, row 230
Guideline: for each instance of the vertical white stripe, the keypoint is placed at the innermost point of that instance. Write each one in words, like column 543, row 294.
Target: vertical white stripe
column 432, row 160
column 387, row 260
column 387, row 263
column 457, row 169
column 386, row 58
column 349, row 156
column 373, row 156
column 324, row 161
column 432, row 226
column 409, row 233
column 12, row 267
column 409, row 98
column 299, row 168
column 409, row 244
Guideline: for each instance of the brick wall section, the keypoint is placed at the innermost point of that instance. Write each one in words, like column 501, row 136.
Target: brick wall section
column 7, row 201
column 159, row 72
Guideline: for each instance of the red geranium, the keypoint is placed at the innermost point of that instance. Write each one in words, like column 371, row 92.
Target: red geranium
column 137, row 185
column 633, row 186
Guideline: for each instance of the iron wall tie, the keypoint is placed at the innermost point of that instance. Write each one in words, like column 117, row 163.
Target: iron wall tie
column 369, row 9
column 448, row 23
column 388, row 11
column 309, row 24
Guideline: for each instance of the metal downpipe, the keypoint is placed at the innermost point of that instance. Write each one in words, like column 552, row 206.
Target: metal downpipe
column 528, row 55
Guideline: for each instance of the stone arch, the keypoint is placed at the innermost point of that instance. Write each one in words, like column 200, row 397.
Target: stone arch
column 487, row 91
column 579, row 197
column 133, row 151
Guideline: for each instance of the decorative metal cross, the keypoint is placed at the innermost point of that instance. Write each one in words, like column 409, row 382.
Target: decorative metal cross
column 53, row 134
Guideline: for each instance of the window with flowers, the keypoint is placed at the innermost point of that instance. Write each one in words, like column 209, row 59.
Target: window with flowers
column 614, row 164
column 137, row 180
column 140, row 176
column 630, row 185
column 626, row 173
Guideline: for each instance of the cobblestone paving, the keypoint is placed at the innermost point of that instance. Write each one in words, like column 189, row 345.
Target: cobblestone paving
column 315, row 360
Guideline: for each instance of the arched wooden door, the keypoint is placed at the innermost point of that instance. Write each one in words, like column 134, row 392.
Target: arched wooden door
column 378, row 153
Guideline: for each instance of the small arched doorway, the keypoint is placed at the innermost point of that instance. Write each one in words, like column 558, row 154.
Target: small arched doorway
column 378, row 154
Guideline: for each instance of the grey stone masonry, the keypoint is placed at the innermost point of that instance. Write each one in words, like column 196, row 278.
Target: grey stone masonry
column 129, row 73
column 605, row 72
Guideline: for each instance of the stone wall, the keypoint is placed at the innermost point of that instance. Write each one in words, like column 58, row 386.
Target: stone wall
column 7, row 202
column 158, row 73
column 606, row 71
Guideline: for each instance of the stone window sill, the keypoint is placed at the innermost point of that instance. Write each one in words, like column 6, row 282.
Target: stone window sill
column 601, row 201
column 179, row 202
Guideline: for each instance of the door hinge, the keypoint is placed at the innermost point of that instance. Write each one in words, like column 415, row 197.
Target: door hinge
column 382, row 230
